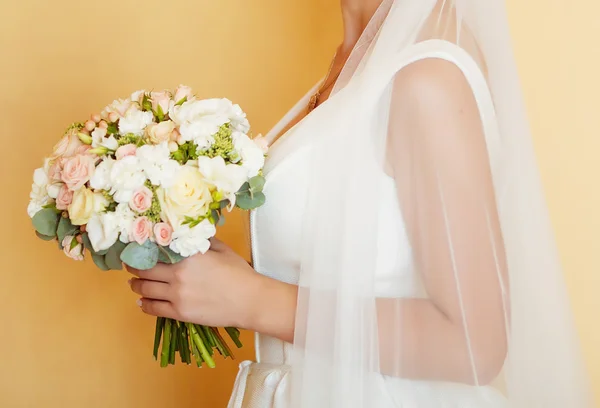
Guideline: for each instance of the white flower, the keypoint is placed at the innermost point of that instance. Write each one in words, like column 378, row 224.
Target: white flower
column 238, row 119
column 126, row 176
column 135, row 121
column 137, row 96
column 227, row 178
column 39, row 190
column 253, row 157
column 200, row 120
column 124, row 218
column 189, row 196
column 99, row 139
column 157, row 164
column 101, row 178
column 103, row 231
column 189, row 241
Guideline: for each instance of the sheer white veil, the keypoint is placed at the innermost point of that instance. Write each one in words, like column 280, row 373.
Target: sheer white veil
column 429, row 273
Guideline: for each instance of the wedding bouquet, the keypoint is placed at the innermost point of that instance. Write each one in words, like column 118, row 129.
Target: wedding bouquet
column 147, row 180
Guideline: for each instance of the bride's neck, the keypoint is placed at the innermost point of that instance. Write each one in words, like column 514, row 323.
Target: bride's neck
column 356, row 14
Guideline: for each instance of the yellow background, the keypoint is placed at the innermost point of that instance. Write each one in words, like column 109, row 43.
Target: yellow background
column 71, row 336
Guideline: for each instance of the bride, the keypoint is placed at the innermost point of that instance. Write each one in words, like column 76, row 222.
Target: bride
column 404, row 257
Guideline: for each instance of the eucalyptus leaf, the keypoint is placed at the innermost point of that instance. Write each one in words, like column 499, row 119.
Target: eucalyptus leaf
column 142, row 257
column 45, row 222
column 113, row 256
column 257, row 184
column 223, row 204
column 168, row 256
column 221, row 221
column 248, row 202
column 65, row 228
column 87, row 243
column 245, row 188
column 44, row 237
column 100, row 262
column 215, row 216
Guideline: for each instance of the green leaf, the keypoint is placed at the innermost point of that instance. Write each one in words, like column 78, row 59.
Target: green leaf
column 221, row 221
column 87, row 244
column 159, row 113
column 142, row 257
column 223, row 204
column 44, row 237
column 248, row 202
column 245, row 188
column 65, row 228
column 256, row 184
column 45, row 222
column 113, row 256
column 100, row 262
column 112, row 129
column 168, row 256
column 181, row 101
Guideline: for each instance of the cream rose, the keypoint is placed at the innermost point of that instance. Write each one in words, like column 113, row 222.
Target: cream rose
column 160, row 132
column 189, row 196
column 126, row 150
column 182, row 92
column 84, row 205
column 77, row 171
column 67, row 146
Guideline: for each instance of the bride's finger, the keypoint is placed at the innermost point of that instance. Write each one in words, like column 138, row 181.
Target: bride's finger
column 150, row 289
column 157, row 308
column 160, row 273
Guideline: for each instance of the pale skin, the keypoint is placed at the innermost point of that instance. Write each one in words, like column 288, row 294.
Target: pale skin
column 220, row 289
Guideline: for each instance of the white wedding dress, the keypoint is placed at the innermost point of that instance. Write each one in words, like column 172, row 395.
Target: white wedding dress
column 276, row 238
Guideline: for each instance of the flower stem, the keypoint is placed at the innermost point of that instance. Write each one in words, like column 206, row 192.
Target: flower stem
column 173, row 345
column 164, row 355
column 200, row 344
column 226, row 350
column 160, row 323
column 235, row 336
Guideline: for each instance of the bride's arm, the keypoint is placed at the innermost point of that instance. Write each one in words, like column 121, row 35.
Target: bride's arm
column 438, row 157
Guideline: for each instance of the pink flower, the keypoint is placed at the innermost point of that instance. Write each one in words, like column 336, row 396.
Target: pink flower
column 160, row 132
column 182, row 92
column 55, row 170
column 67, row 146
column 163, row 233
column 126, row 150
column 72, row 248
column 90, row 125
column 162, row 99
column 141, row 230
column 64, row 198
column 262, row 142
column 77, row 171
column 119, row 106
column 141, row 200
column 96, row 117
column 85, row 150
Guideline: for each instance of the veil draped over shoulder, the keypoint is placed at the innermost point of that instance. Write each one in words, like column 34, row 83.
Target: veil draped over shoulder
column 427, row 121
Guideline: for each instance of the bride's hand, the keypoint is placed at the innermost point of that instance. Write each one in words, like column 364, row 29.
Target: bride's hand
column 214, row 289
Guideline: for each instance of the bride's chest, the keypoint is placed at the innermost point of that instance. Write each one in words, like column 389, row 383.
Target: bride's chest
column 277, row 229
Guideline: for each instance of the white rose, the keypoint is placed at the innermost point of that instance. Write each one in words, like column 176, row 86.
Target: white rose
column 189, row 196
column 39, row 190
column 160, row 132
column 157, row 164
column 103, row 231
column 126, row 176
column 253, row 157
column 227, row 178
column 101, row 178
column 190, row 241
column 135, row 121
column 124, row 218
column 119, row 106
column 137, row 96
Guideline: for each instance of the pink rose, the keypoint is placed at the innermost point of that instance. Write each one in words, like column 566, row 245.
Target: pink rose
column 163, row 233
column 67, row 146
column 126, row 150
column 141, row 200
column 160, row 132
column 72, row 248
column 162, row 99
column 182, row 92
column 90, row 125
column 119, row 106
column 77, row 171
column 85, row 150
column 55, row 170
column 141, row 230
column 64, row 198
